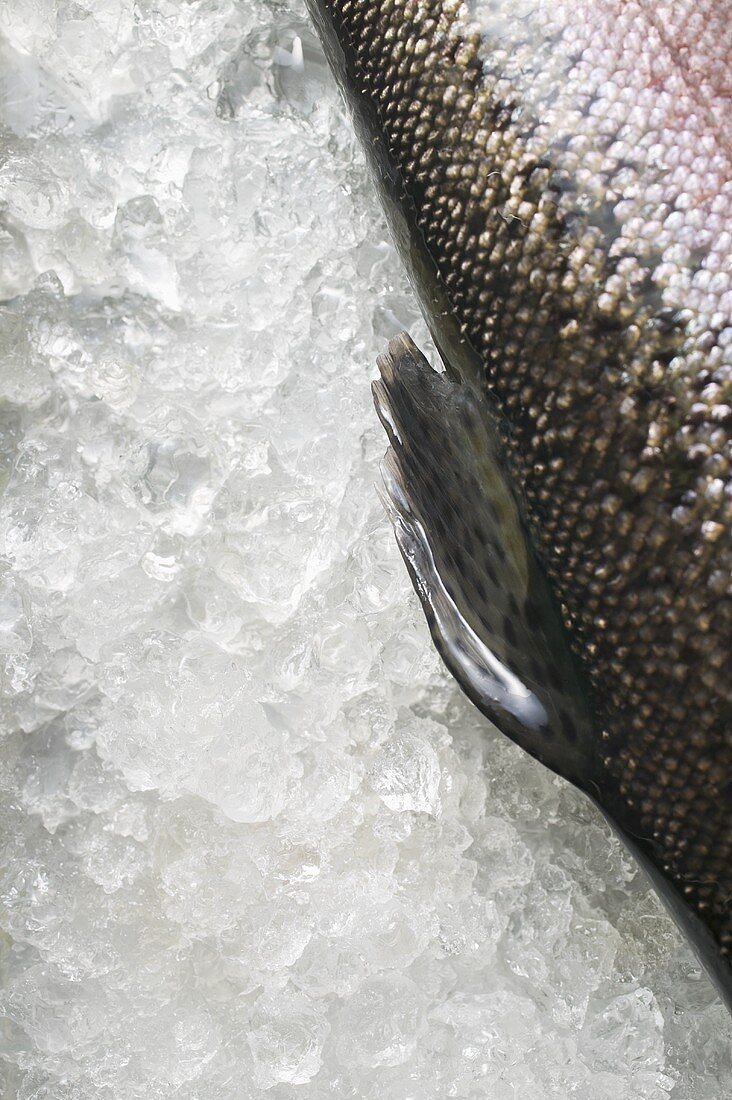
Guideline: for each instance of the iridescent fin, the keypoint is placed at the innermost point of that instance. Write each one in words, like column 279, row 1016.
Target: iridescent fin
column 460, row 531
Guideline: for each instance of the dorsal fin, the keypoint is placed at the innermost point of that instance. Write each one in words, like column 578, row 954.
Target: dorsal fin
column 489, row 607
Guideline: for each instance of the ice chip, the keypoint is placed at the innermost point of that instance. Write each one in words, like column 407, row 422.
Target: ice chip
column 286, row 1034
column 406, row 775
column 247, row 776
column 381, row 1023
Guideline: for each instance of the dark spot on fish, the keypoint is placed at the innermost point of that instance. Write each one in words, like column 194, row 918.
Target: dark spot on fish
column 554, row 676
column 509, row 630
column 569, row 729
column 490, row 570
column 531, row 611
column 668, row 321
column 537, row 670
column 480, row 590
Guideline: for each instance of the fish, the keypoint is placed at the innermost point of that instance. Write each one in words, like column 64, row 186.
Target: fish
column 558, row 180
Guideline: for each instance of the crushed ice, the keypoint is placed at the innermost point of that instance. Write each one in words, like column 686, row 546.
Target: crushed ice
column 253, row 840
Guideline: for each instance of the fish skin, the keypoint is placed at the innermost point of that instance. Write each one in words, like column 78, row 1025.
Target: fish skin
column 558, row 178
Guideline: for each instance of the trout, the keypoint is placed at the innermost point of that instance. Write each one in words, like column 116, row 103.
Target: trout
column 558, row 179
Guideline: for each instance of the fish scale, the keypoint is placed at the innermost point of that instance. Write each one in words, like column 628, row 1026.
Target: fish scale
column 559, row 180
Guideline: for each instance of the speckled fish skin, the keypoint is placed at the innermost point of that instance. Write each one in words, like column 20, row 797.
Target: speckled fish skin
column 559, row 179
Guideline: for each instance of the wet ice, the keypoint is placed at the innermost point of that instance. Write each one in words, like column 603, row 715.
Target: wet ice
column 254, row 841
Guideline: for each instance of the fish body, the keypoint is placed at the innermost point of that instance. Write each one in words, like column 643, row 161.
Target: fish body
column 558, row 177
